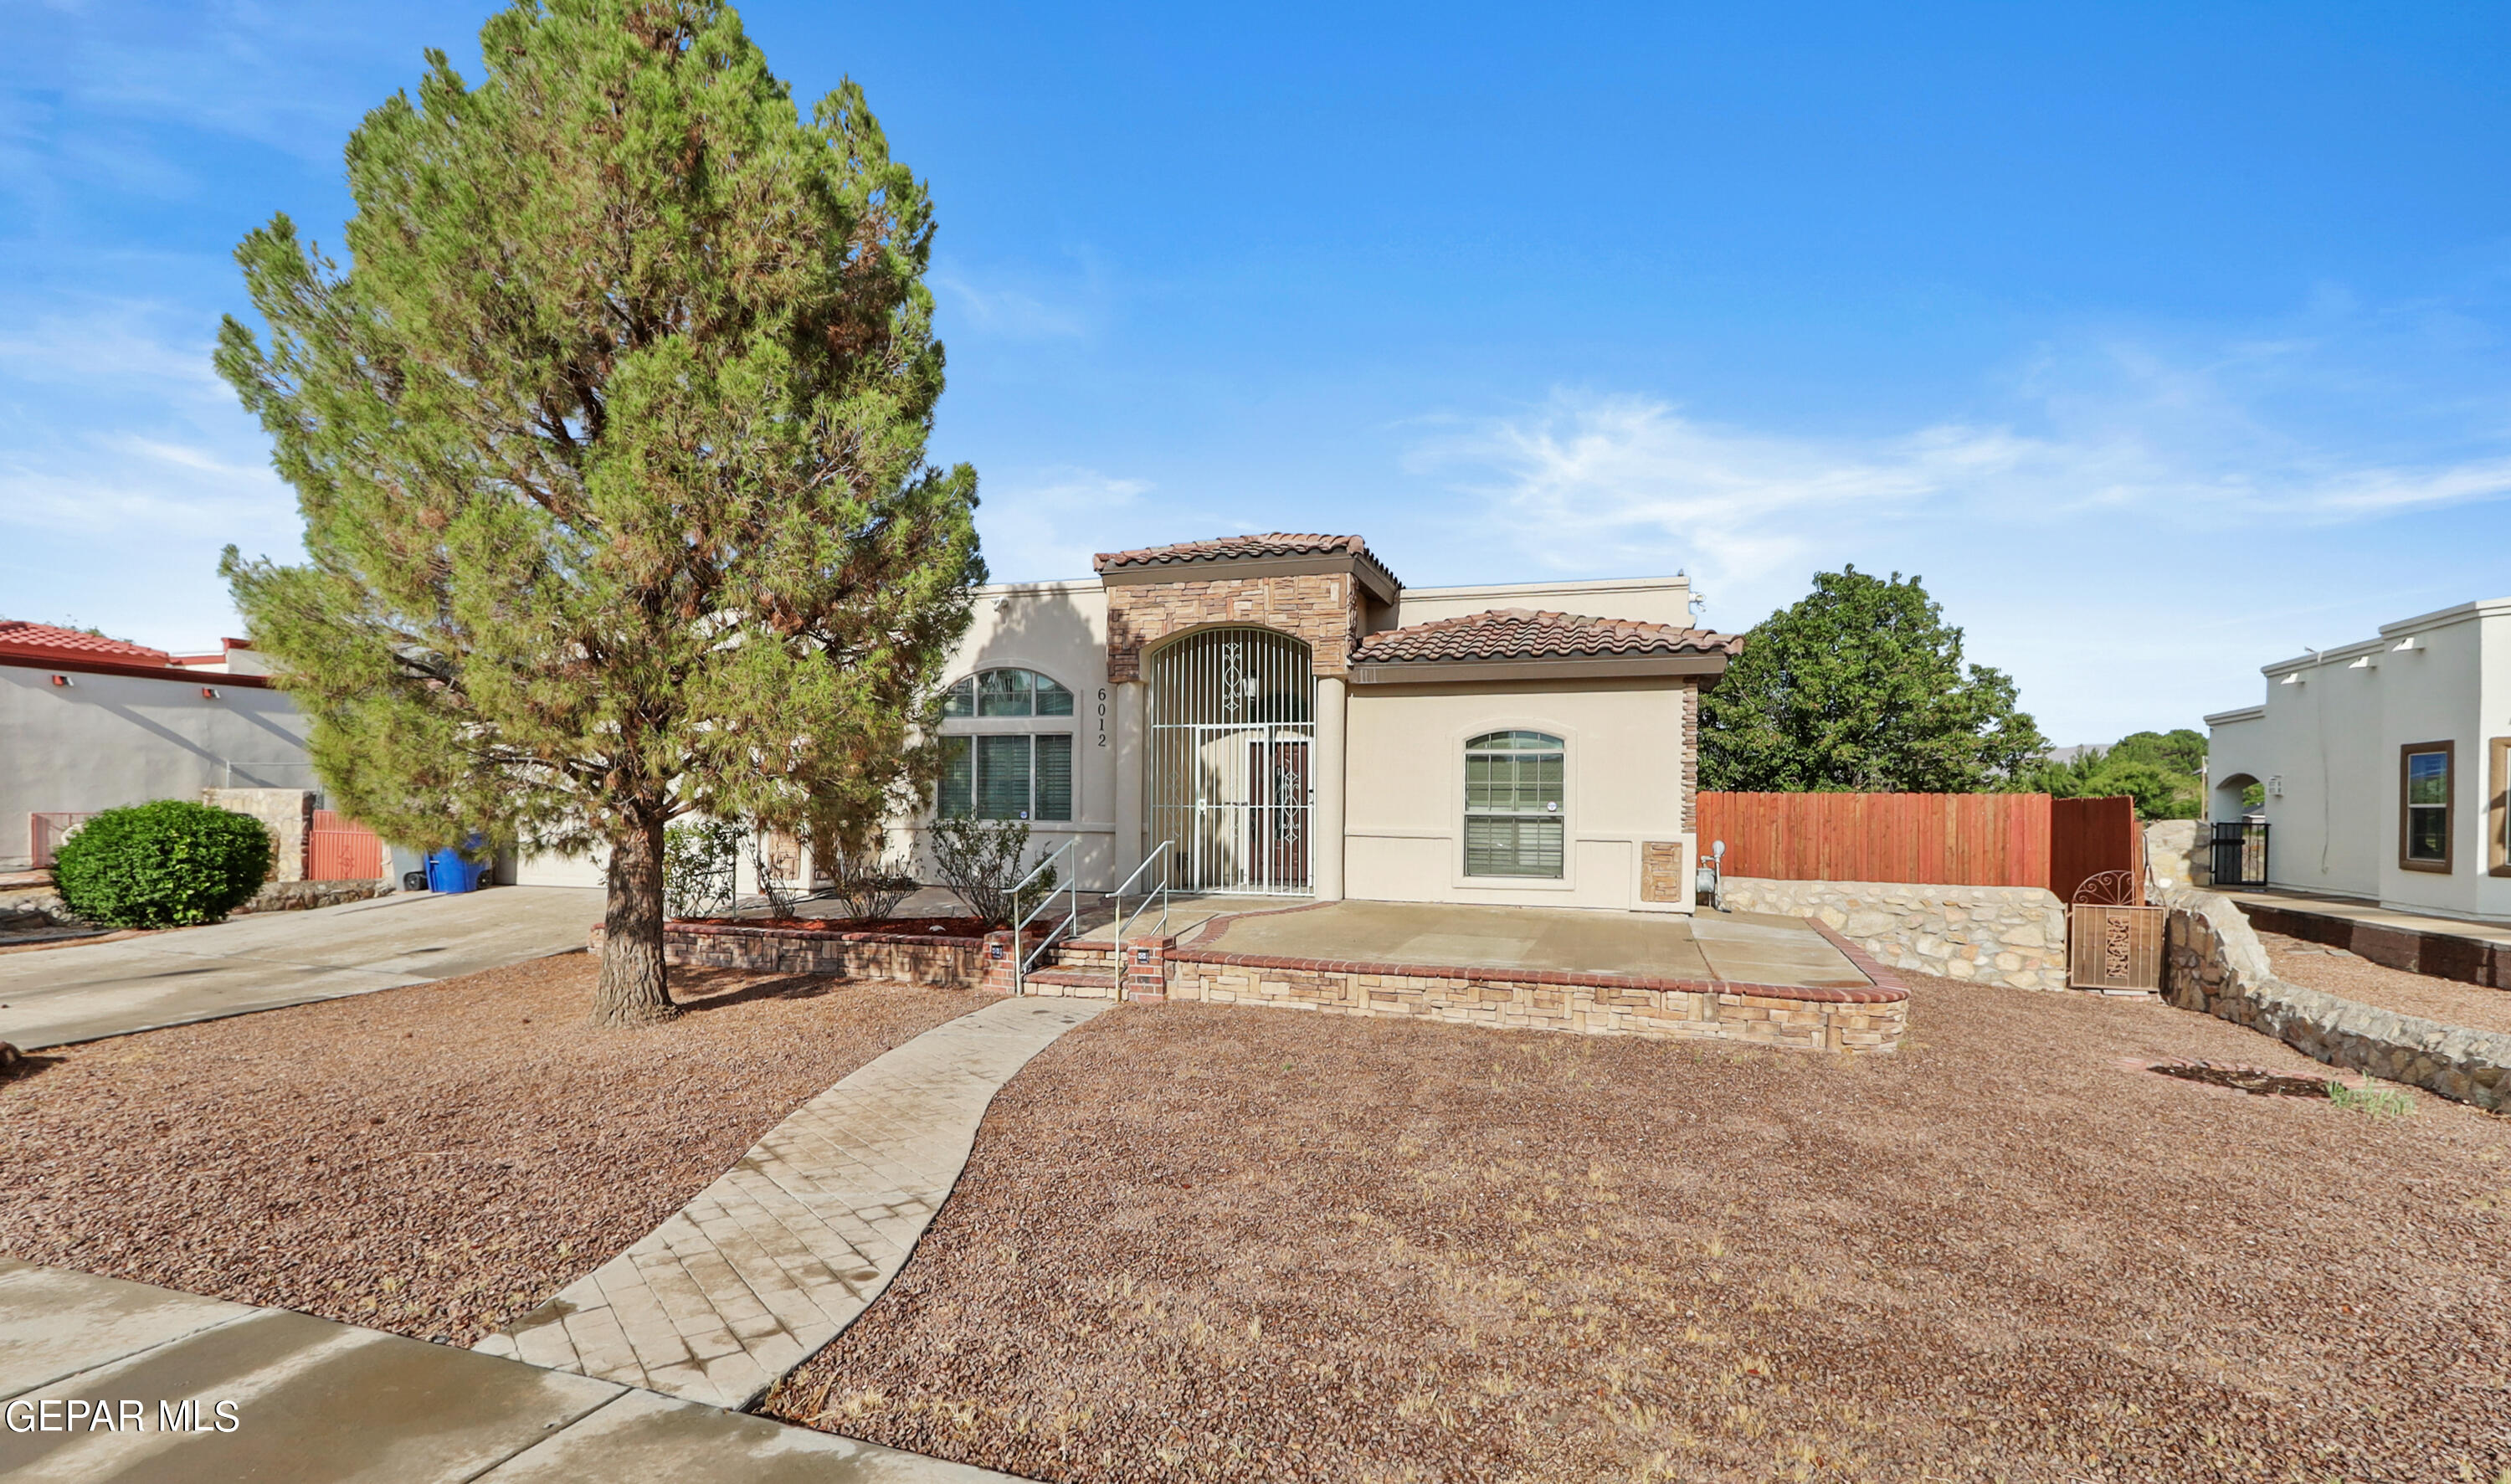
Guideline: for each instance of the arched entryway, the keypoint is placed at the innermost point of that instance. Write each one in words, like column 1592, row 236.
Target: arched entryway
column 1231, row 774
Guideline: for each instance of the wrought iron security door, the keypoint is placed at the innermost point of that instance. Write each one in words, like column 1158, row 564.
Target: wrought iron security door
column 1232, row 720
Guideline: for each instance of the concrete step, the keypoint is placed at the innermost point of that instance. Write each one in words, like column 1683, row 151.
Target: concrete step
column 1072, row 983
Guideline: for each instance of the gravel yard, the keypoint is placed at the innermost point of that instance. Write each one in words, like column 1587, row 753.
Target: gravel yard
column 1210, row 1242
column 2351, row 976
column 432, row 1160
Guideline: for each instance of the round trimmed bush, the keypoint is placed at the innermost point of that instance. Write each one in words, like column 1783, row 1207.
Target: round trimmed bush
column 168, row 864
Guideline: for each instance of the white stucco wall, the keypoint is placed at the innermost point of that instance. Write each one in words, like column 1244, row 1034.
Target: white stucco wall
column 102, row 741
column 1404, row 837
column 2332, row 727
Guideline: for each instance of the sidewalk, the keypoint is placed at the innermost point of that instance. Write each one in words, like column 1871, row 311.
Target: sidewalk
column 776, row 1258
column 312, row 1400
column 2445, row 948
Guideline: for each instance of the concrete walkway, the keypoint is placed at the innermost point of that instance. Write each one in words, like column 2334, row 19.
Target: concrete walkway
column 311, row 1400
column 774, row 1260
column 60, row 995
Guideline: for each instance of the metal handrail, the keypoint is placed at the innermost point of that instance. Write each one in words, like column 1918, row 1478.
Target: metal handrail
column 1159, row 857
column 1021, row 956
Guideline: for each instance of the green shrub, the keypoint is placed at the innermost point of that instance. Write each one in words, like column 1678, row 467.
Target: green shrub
column 980, row 859
column 168, row 864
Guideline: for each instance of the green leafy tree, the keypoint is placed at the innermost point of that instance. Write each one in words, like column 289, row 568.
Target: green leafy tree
column 1861, row 686
column 2160, row 770
column 610, row 444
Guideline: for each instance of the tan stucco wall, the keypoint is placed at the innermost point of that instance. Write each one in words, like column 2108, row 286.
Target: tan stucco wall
column 1404, row 809
column 1060, row 630
column 1649, row 600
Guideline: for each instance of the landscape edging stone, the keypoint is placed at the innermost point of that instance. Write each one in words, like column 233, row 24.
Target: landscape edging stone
column 2214, row 963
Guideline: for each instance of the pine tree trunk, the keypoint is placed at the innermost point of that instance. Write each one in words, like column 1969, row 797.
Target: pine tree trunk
column 631, row 991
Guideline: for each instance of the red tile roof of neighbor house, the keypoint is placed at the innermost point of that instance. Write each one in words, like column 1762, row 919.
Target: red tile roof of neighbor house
column 43, row 641
column 1511, row 634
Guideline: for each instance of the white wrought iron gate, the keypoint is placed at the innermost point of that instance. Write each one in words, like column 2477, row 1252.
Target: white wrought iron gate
column 1232, row 728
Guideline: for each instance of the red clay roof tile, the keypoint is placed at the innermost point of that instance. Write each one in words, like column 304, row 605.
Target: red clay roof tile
column 1511, row 634
column 21, row 638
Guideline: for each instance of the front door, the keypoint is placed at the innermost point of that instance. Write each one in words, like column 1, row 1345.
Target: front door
column 1277, row 833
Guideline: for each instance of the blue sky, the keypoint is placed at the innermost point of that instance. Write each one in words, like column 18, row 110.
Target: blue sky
column 2163, row 344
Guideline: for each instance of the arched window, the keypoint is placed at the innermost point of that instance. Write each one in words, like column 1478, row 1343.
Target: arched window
column 1514, row 803
column 997, row 762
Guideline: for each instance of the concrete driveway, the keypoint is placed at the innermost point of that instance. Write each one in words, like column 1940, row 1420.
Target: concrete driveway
column 64, row 994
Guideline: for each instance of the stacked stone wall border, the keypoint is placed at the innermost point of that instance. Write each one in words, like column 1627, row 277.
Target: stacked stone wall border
column 2009, row 936
column 2214, row 963
column 934, row 960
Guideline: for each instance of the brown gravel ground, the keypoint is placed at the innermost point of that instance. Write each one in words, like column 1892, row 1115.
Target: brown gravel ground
column 1212, row 1243
column 2451, row 1001
column 433, row 1160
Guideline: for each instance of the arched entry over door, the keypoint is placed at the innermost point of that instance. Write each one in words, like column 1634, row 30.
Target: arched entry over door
column 1233, row 730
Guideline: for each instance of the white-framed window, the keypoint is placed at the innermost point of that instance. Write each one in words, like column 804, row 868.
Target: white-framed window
column 1516, row 799
column 991, row 771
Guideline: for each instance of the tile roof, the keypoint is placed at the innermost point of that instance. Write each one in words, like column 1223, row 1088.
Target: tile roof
column 1511, row 634
column 1278, row 543
column 18, row 637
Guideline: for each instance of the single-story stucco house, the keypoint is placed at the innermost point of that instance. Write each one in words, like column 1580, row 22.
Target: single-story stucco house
column 1280, row 715
column 2379, row 767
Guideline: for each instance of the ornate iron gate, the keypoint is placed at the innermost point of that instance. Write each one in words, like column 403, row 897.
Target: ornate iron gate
column 1232, row 720
column 2240, row 850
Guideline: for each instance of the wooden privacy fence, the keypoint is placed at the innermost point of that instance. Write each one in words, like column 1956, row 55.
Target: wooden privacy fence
column 338, row 849
column 1948, row 840
column 1957, row 840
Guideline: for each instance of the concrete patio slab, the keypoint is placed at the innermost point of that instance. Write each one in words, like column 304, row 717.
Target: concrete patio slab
column 317, row 1402
column 81, row 993
column 1739, row 946
column 775, row 1259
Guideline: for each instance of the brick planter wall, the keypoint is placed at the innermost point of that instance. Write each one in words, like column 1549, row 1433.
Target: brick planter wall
column 1873, row 1019
column 931, row 961
column 2214, row 963
column 2010, row 935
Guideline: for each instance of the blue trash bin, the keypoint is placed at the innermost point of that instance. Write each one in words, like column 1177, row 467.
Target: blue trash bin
column 449, row 872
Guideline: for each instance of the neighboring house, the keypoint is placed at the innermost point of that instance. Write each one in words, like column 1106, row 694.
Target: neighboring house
column 90, row 724
column 1285, row 717
column 2382, row 765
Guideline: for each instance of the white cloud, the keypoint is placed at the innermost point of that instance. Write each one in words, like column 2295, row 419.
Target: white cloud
column 1050, row 523
column 1591, row 477
column 1011, row 313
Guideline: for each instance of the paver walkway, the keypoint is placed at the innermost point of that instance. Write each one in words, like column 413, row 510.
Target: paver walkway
column 311, row 1400
column 776, row 1258
column 79, row 993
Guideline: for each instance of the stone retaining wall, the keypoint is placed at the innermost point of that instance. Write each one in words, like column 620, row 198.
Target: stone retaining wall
column 2009, row 936
column 931, row 961
column 1871, row 1019
column 2213, row 962
column 2178, row 852
column 298, row 896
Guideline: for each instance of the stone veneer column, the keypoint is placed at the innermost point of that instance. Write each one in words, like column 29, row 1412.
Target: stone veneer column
column 1325, row 818
column 1130, row 725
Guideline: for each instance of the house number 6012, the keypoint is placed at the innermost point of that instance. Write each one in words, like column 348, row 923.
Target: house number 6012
column 1103, row 716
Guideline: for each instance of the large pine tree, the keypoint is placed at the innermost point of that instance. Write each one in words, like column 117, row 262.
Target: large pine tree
column 610, row 444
